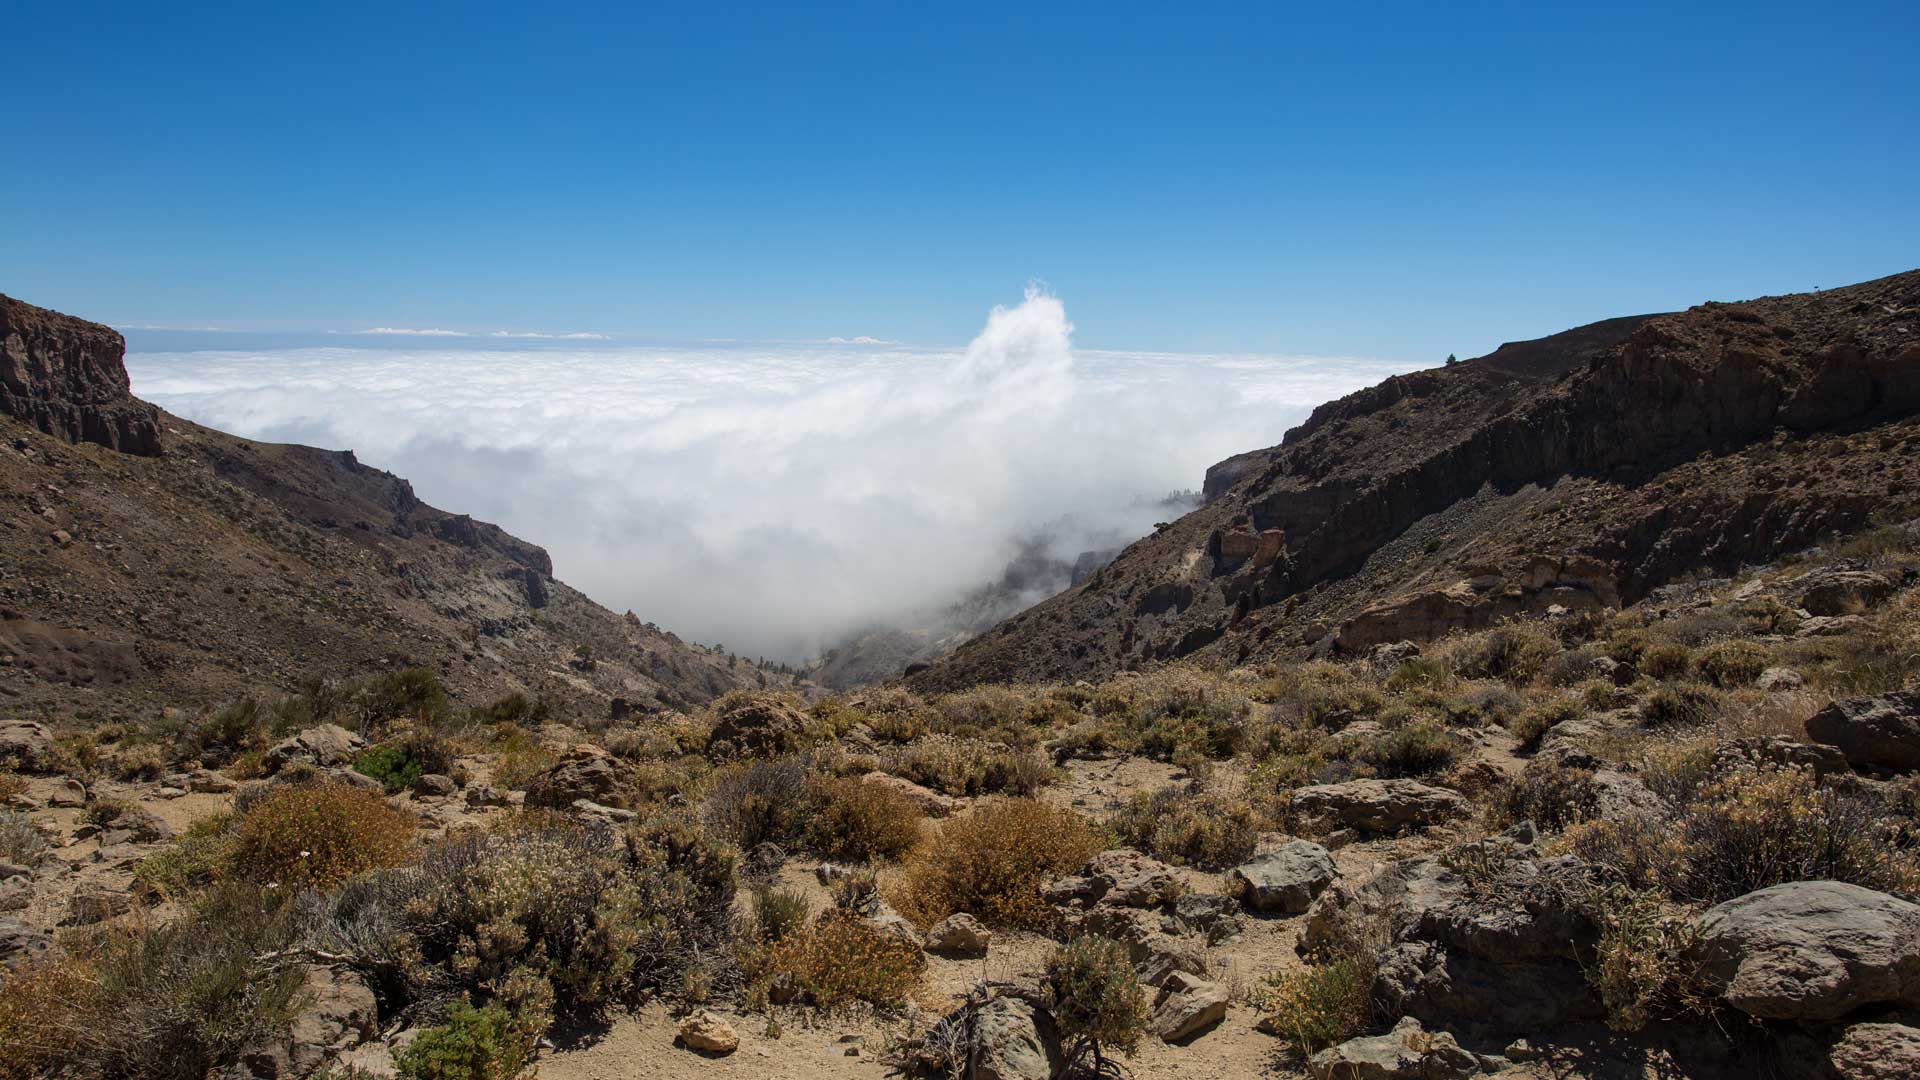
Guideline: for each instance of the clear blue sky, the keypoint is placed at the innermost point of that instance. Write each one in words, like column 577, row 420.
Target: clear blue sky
column 1397, row 181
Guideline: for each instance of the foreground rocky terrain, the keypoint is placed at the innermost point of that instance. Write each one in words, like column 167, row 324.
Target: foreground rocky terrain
column 1671, row 829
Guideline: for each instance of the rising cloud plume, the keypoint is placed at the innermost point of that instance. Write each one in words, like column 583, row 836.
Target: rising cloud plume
column 773, row 498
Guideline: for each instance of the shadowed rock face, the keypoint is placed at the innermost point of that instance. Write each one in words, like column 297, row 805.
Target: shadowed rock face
column 1582, row 469
column 68, row 377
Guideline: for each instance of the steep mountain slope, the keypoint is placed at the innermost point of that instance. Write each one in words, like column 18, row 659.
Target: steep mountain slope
column 148, row 561
column 1582, row 469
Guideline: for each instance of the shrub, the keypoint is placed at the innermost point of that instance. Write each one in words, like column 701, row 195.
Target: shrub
column 759, row 801
column 473, row 1044
column 1426, row 673
column 1095, row 998
column 1751, row 828
column 1681, row 705
column 1730, row 664
column 21, row 840
column 1576, row 665
column 1666, row 660
column 408, row 694
column 843, row 958
column 1318, row 1005
column 778, row 912
column 167, row 1002
column 1204, row 829
column 317, row 835
column 1551, row 796
column 516, row 708
column 1417, row 748
column 1644, row 961
column 220, row 736
column 1541, row 717
column 861, row 820
column 1514, row 653
column 521, row 761
column 991, row 862
column 399, row 762
column 959, row 767
column 1321, row 694
column 191, row 863
column 1480, row 704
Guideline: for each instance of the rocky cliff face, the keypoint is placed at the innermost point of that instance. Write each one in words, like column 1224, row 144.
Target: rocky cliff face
column 1582, row 469
column 68, row 377
column 225, row 567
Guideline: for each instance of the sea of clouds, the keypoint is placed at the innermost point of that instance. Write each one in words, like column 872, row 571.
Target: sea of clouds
column 771, row 498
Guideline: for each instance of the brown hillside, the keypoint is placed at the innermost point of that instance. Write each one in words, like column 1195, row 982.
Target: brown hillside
column 1582, row 469
column 200, row 566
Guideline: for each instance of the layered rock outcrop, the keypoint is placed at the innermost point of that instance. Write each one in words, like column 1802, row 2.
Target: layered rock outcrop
column 68, row 377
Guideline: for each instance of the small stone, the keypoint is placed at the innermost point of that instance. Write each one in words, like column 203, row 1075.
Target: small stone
column 434, row 785
column 706, row 1032
column 70, row 794
column 959, row 935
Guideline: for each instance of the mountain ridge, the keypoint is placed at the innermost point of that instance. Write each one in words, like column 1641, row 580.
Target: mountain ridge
column 147, row 561
column 1294, row 548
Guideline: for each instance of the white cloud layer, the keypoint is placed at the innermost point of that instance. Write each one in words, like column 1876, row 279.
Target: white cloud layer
column 773, row 498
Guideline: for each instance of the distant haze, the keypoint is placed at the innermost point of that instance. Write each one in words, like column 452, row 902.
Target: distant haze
column 772, row 498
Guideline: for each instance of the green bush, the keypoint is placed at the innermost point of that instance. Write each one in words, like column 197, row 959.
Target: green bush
column 316, row 835
column 1318, row 1005
column 1095, row 998
column 399, row 762
column 473, row 1044
column 861, row 820
column 1539, row 718
column 992, row 861
column 1204, row 829
column 778, row 912
column 1417, row 748
column 1514, row 653
column 962, row 767
column 1731, row 664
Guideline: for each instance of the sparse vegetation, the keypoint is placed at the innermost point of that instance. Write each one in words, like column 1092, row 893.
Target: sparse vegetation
column 990, row 863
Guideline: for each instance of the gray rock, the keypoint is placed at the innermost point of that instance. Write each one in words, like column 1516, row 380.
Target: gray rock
column 325, row 746
column 1876, row 1052
column 1285, row 879
column 479, row 795
column 434, row 785
column 1013, row 1040
column 1121, row 877
column 338, row 1014
column 1184, row 1006
column 1812, row 950
column 20, row 943
column 70, row 794
column 27, row 745
column 1408, row 1052
column 16, row 893
column 583, row 772
column 92, row 903
column 1216, row 916
column 1830, row 591
column 959, row 935
column 1873, row 732
column 1377, row 806
column 1776, row 679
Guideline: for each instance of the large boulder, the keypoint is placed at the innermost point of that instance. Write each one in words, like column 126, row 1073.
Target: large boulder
column 1812, row 950
column 1834, row 591
column 1012, row 1040
column 326, row 746
column 756, row 725
column 1185, row 1005
column 1377, row 806
column 1285, row 879
column 959, row 935
column 1121, row 877
column 26, row 746
column 1495, row 957
column 338, row 1012
column 1873, row 732
column 1408, row 1052
column 582, row 773
column 21, row 944
column 1876, row 1052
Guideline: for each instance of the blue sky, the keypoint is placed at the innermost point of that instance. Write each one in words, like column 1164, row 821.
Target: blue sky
column 1394, row 181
